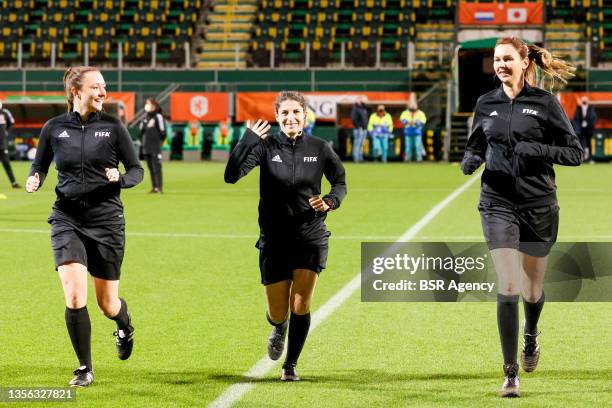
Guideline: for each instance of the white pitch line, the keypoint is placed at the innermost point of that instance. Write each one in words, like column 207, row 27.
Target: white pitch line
column 236, row 391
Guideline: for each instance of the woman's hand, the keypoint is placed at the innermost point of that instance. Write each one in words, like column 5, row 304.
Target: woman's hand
column 112, row 175
column 260, row 128
column 318, row 204
column 32, row 183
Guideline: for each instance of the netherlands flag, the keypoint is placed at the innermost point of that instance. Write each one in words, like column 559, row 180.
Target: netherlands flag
column 484, row 16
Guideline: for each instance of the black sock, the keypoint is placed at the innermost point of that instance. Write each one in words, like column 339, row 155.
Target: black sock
column 298, row 331
column 507, row 323
column 123, row 318
column 272, row 322
column 79, row 329
column 532, row 315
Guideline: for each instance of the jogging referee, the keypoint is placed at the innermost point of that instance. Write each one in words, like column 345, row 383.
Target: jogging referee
column 6, row 122
column 293, row 241
column 520, row 131
column 87, row 223
column 153, row 134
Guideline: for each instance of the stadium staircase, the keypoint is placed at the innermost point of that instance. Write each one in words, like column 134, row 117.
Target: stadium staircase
column 459, row 135
column 567, row 41
column 433, row 49
column 228, row 29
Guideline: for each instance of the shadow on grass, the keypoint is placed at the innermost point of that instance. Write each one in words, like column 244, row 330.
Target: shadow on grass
column 364, row 377
column 335, row 378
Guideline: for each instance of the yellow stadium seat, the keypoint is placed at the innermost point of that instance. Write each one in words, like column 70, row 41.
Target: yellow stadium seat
column 93, row 48
column 140, row 49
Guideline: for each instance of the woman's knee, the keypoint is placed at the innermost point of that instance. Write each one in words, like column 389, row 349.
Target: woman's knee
column 532, row 295
column 300, row 305
column 278, row 312
column 75, row 299
column 109, row 306
column 509, row 289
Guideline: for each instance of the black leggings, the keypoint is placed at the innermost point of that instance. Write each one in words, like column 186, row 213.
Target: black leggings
column 7, row 165
column 155, row 168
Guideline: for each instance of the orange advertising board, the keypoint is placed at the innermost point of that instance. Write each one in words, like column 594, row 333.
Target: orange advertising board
column 569, row 101
column 127, row 98
column 199, row 106
column 260, row 105
column 501, row 13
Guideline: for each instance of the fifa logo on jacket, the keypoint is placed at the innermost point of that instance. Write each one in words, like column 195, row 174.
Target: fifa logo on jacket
column 102, row 134
column 530, row 112
column 310, row 159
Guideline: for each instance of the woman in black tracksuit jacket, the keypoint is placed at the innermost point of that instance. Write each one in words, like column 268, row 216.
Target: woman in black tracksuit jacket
column 520, row 131
column 87, row 222
column 293, row 239
column 153, row 134
column 6, row 122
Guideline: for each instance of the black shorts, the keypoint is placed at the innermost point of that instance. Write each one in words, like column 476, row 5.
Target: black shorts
column 277, row 263
column 532, row 230
column 99, row 248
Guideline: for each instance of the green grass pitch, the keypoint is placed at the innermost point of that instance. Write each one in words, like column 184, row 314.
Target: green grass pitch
column 191, row 279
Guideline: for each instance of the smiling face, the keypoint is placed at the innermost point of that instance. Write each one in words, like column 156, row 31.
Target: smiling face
column 92, row 94
column 508, row 64
column 290, row 117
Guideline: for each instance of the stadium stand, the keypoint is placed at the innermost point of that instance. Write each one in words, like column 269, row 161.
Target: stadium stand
column 71, row 26
column 365, row 28
column 228, row 30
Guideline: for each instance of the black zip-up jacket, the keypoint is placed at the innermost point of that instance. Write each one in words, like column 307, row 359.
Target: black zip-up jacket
column 291, row 173
column 6, row 122
column 536, row 122
column 359, row 116
column 152, row 133
column 82, row 153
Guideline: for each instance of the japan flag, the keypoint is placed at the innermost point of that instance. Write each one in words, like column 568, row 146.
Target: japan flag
column 517, row 15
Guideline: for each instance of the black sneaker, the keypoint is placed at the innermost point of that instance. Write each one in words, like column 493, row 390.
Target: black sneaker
column 15, row 185
column 510, row 388
column 531, row 352
column 125, row 342
column 83, row 377
column 289, row 373
column 276, row 341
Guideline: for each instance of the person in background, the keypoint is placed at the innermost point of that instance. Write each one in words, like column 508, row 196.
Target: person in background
column 359, row 117
column 380, row 127
column 153, row 134
column 584, row 125
column 413, row 120
column 310, row 122
column 223, row 133
column 6, row 122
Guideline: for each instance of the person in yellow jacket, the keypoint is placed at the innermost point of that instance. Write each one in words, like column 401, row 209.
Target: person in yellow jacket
column 413, row 120
column 380, row 127
column 309, row 124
